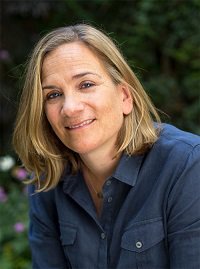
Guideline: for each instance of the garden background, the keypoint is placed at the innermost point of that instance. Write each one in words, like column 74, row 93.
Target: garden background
column 161, row 41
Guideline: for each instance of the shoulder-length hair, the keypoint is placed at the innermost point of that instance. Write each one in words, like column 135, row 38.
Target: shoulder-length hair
column 38, row 147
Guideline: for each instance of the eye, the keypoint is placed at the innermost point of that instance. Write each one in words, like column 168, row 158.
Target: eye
column 53, row 95
column 86, row 84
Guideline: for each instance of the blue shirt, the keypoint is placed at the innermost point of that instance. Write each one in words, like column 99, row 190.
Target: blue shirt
column 150, row 217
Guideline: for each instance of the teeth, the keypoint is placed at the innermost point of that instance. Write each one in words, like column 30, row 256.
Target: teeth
column 80, row 125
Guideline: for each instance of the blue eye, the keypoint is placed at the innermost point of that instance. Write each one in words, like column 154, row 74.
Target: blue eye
column 53, row 95
column 86, row 85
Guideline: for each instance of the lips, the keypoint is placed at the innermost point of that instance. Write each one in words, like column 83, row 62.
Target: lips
column 81, row 124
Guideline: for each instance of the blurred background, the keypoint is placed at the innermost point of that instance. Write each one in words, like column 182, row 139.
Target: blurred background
column 160, row 40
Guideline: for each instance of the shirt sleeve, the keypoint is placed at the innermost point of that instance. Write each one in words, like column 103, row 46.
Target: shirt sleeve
column 44, row 236
column 184, row 215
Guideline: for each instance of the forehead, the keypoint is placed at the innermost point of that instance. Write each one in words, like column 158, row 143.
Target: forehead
column 72, row 55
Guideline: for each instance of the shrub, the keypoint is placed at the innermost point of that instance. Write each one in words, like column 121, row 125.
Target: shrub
column 14, row 246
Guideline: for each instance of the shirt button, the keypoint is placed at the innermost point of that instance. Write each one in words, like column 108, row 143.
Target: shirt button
column 103, row 236
column 138, row 244
column 108, row 182
column 109, row 199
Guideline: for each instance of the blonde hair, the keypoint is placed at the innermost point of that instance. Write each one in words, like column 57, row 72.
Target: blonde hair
column 34, row 140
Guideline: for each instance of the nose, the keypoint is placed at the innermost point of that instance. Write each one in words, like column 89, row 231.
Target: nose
column 72, row 106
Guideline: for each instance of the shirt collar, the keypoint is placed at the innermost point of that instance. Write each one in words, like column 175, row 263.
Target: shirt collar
column 127, row 172
column 128, row 169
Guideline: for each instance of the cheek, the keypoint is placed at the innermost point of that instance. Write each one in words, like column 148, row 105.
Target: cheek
column 113, row 115
column 51, row 115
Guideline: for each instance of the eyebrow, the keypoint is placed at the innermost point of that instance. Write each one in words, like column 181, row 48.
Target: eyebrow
column 73, row 77
column 84, row 74
column 50, row 87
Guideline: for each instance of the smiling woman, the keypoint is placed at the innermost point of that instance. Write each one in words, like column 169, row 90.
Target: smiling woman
column 42, row 148
column 106, row 172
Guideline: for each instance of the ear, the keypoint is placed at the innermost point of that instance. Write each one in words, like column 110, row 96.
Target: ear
column 127, row 100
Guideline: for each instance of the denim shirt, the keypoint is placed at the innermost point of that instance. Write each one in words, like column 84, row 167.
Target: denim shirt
column 150, row 217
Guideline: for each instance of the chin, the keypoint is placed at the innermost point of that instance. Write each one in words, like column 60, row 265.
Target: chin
column 82, row 148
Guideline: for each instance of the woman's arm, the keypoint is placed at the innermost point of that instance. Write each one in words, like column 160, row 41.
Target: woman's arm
column 44, row 236
column 184, row 216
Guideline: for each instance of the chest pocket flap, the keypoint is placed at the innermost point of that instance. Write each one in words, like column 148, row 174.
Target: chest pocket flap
column 68, row 234
column 144, row 235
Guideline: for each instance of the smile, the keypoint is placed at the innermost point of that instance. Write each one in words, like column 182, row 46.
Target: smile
column 86, row 122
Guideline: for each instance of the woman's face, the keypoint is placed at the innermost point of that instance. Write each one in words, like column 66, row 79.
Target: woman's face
column 82, row 104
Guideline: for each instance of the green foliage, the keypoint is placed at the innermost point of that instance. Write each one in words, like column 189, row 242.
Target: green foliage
column 14, row 248
column 160, row 40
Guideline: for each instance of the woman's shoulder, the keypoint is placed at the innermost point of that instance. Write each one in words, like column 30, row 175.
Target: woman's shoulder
column 176, row 146
column 41, row 197
column 170, row 136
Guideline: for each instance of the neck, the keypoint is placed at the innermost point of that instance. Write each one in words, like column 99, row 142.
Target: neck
column 96, row 168
column 99, row 167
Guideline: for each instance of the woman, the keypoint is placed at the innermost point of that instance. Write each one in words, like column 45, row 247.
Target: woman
column 112, row 189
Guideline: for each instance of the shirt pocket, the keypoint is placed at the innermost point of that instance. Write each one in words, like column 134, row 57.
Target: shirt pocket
column 68, row 235
column 143, row 245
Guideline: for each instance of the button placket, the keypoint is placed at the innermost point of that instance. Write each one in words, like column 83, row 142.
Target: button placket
column 103, row 236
